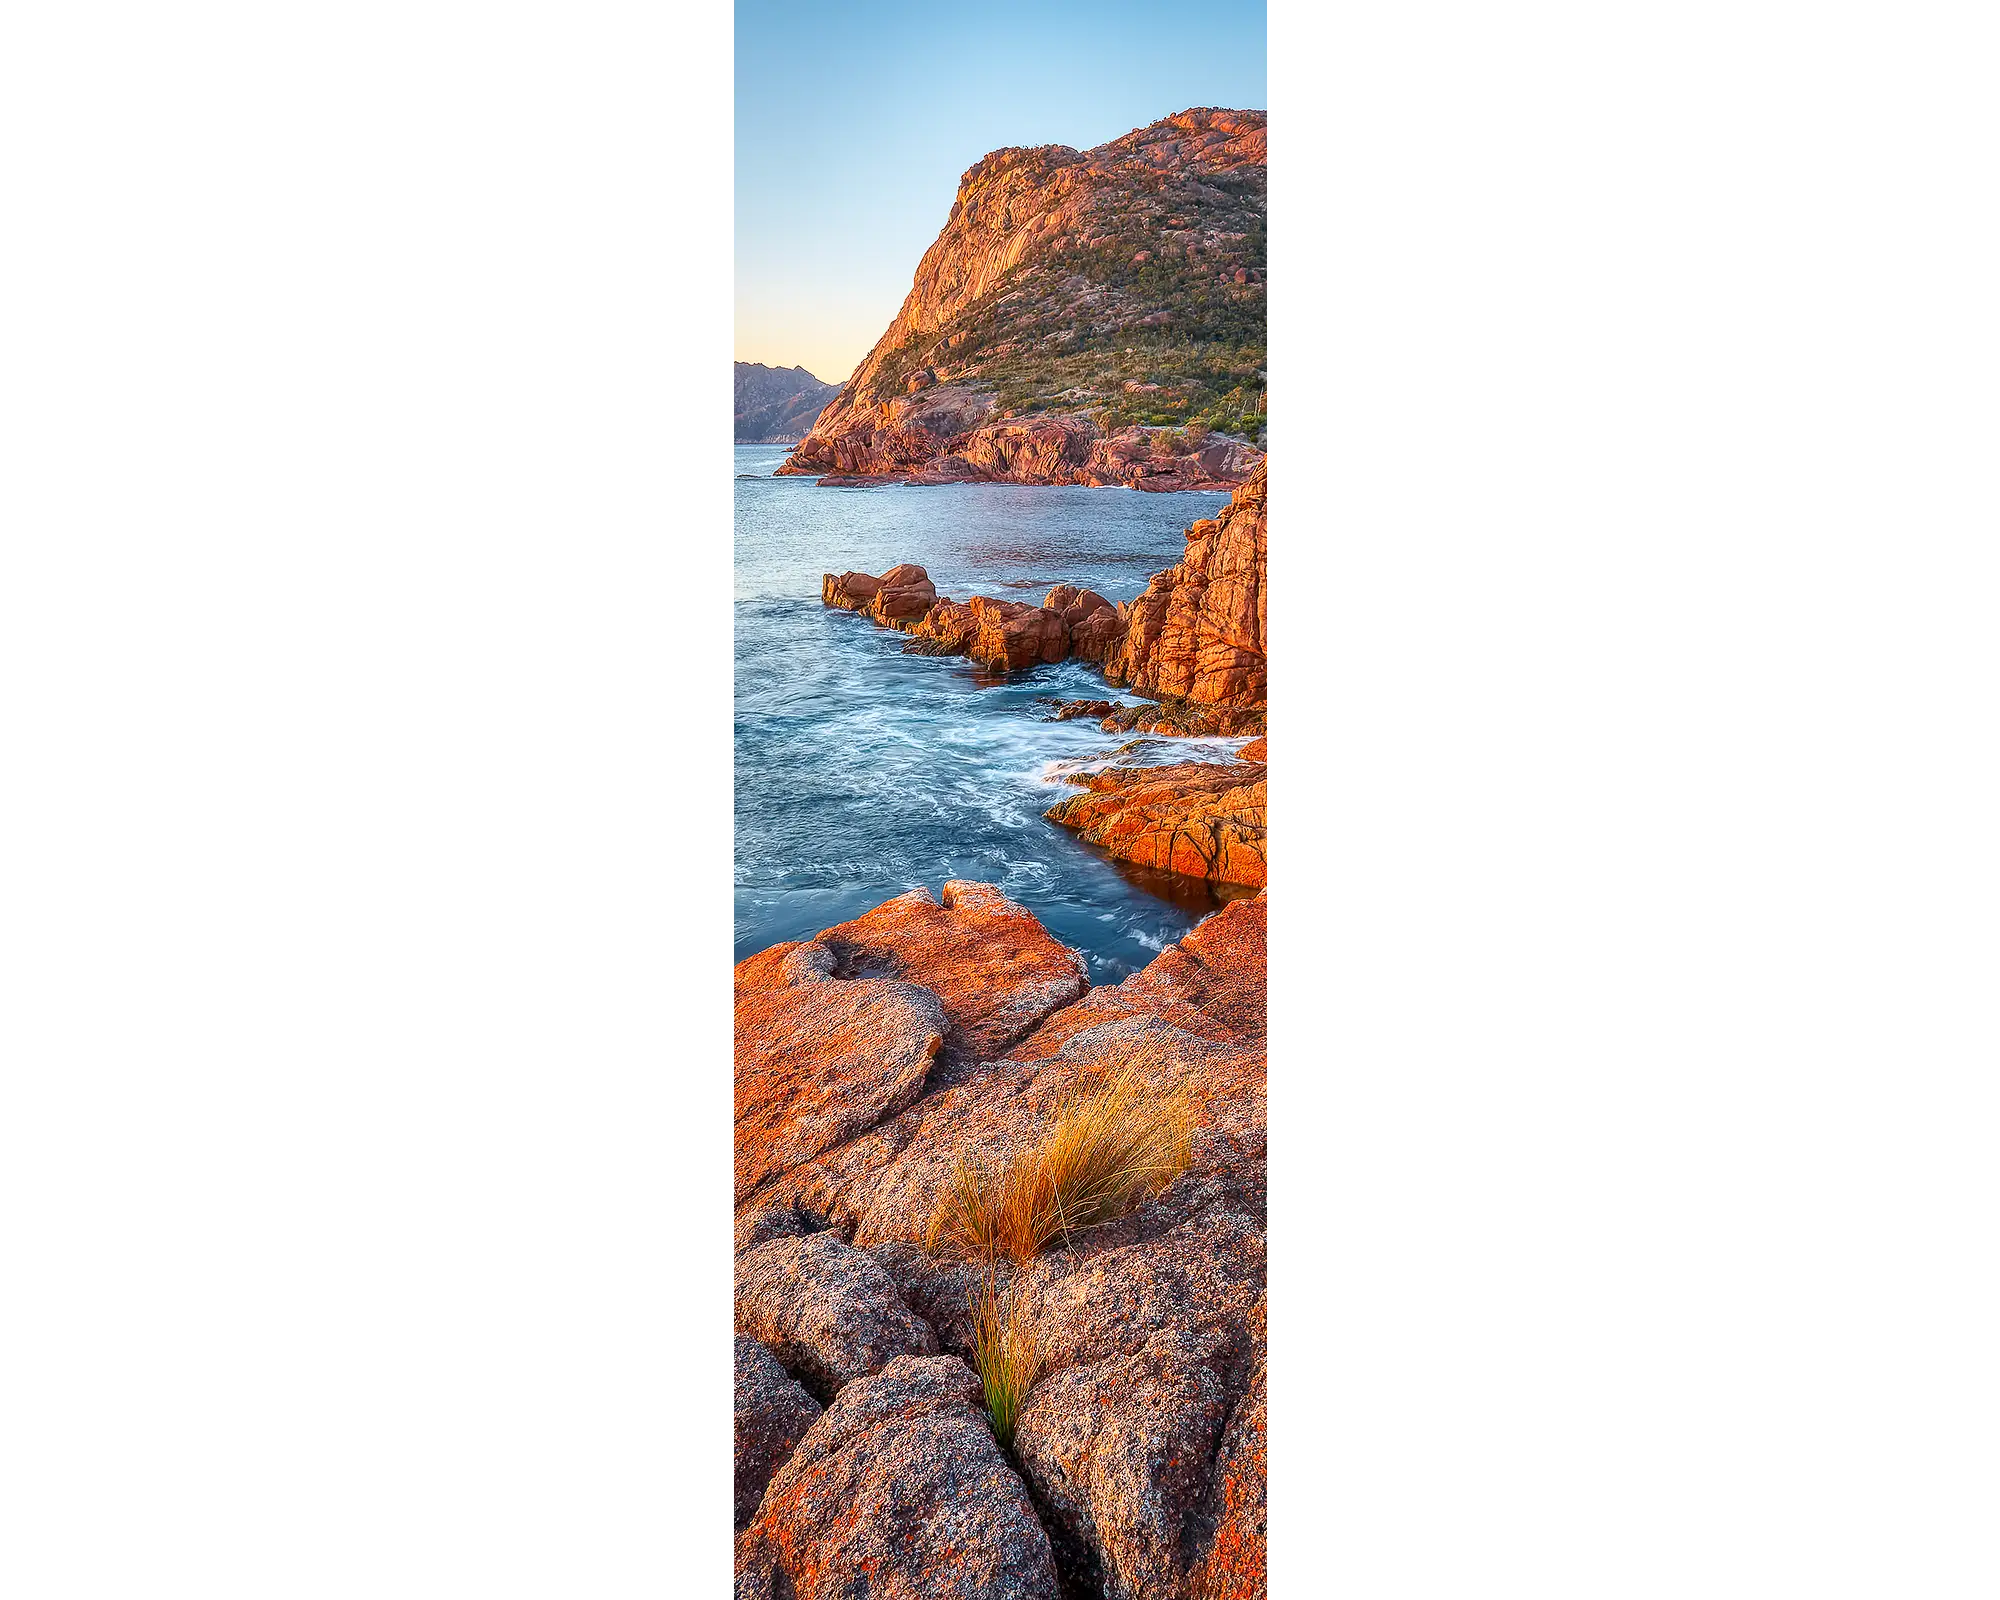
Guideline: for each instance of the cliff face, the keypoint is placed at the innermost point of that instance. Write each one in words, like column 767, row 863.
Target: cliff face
column 776, row 405
column 1198, row 631
column 1085, row 317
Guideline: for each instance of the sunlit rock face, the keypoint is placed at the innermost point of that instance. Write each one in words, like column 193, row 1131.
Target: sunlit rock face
column 1078, row 312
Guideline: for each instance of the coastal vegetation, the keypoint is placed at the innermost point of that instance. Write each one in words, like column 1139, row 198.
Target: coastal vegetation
column 1112, row 1144
column 1118, row 287
column 1006, row 1356
column 1143, row 323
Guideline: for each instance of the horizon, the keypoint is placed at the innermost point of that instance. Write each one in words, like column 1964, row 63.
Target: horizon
column 825, row 254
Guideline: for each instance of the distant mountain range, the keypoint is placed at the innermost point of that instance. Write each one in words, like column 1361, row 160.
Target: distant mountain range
column 776, row 405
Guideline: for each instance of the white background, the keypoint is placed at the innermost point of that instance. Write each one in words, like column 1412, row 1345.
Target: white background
column 364, row 702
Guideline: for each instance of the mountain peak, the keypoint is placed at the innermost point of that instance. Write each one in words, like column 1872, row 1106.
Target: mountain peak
column 1121, row 286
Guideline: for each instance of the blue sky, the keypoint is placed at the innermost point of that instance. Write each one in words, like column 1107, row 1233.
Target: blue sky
column 855, row 119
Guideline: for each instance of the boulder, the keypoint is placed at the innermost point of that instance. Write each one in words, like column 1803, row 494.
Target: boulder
column 819, row 1059
column 829, row 1313
column 948, row 628
column 1202, row 819
column 1233, row 1568
column 1093, row 622
column 994, row 969
column 1142, row 1442
column 850, row 591
column 1071, row 710
column 898, row 1492
column 1073, row 604
column 1120, row 1451
column 772, row 1416
column 904, row 595
column 1012, row 636
column 896, row 599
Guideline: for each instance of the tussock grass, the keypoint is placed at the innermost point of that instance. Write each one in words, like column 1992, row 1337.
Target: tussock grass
column 969, row 1214
column 1006, row 1356
column 1111, row 1145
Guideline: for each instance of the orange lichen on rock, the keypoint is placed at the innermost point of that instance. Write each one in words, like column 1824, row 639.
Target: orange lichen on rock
column 1012, row 635
column 1199, row 818
column 1198, row 632
column 993, row 967
column 1210, row 986
column 1234, row 1568
column 819, row 1059
column 1140, row 1437
column 898, row 1491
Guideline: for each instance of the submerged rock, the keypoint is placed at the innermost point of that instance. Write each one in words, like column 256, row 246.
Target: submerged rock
column 1071, row 710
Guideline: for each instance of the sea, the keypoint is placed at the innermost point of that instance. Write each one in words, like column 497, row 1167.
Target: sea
column 862, row 772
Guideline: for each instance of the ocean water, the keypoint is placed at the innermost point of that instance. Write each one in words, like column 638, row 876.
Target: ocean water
column 862, row 772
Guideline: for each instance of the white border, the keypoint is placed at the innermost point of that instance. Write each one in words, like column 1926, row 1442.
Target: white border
column 1632, row 1179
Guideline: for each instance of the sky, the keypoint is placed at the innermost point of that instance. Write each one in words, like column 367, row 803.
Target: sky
column 856, row 118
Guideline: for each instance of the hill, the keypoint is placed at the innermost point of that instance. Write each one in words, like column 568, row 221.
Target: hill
column 776, row 405
column 1086, row 316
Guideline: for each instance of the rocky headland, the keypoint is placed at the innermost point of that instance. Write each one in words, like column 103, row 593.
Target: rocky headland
column 1085, row 317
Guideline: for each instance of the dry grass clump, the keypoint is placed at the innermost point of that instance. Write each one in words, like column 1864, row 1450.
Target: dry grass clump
column 1111, row 1145
column 1005, row 1355
column 972, row 1214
